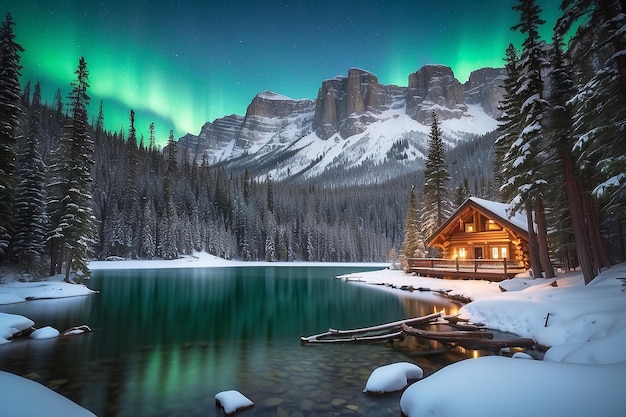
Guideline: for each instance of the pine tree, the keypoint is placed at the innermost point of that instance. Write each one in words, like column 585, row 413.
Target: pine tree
column 567, row 216
column 523, row 175
column 599, row 66
column 72, row 218
column 10, row 114
column 130, row 198
column 413, row 244
column 508, row 123
column 437, row 204
column 168, row 242
column 30, row 201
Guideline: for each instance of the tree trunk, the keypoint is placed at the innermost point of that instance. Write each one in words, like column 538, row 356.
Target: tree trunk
column 598, row 250
column 533, row 249
column 581, row 238
column 68, row 264
column 542, row 239
column 53, row 257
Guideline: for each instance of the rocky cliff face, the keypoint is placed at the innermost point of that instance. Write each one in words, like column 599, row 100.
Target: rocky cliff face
column 342, row 102
column 484, row 87
column 361, row 115
column 274, row 117
column 434, row 87
column 213, row 138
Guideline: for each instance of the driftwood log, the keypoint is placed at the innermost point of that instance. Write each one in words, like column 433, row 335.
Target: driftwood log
column 466, row 335
column 477, row 340
column 387, row 331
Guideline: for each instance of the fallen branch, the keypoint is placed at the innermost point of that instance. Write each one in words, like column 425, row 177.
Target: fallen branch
column 469, row 340
column 446, row 336
column 335, row 334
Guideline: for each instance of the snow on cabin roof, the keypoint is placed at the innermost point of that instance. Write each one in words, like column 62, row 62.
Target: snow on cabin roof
column 503, row 211
column 490, row 209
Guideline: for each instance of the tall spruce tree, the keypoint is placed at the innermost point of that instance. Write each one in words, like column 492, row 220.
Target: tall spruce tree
column 508, row 123
column 523, row 175
column 10, row 114
column 436, row 199
column 413, row 244
column 72, row 219
column 30, row 201
column 598, row 55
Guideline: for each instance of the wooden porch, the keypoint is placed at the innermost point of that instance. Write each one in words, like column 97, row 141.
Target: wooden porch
column 488, row 269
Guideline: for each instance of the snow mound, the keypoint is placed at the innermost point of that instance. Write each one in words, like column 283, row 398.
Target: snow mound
column 45, row 333
column 392, row 377
column 501, row 386
column 232, row 401
column 11, row 324
column 27, row 398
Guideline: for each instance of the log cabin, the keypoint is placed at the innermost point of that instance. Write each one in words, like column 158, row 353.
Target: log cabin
column 480, row 240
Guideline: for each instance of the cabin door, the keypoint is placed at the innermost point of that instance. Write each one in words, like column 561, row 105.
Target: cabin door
column 478, row 252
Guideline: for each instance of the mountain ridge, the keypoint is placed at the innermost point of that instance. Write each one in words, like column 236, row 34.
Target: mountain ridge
column 354, row 120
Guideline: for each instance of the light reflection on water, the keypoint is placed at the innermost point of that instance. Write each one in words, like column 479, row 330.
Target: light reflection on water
column 166, row 341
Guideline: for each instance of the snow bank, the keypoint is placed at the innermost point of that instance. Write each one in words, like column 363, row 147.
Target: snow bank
column 53, row 287
column 497, row 386
column 205, row 260
column 580, row 375
column 27, row 398
column 584, row 323
column 232, row 401
column 11, row 324
column 392, row 377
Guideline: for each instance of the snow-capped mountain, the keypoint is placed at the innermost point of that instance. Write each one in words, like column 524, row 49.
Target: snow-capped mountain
column 355, row 123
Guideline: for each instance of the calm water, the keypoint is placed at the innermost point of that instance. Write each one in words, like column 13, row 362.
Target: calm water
column 166, row 341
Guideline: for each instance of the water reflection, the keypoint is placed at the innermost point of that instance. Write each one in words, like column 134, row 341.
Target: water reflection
column 165, row 341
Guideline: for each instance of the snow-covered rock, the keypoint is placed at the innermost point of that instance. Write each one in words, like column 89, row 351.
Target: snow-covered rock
column 232, row 401
column 392, row 377
column 45, row 333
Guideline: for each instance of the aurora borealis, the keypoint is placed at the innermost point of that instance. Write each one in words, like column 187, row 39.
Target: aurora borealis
column 183, row 63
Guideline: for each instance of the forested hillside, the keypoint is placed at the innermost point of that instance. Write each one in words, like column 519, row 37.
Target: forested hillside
column 71, row 190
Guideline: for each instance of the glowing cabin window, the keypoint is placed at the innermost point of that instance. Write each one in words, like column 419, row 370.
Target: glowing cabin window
column 462, row 253
column 491, row 225
column 498, row 252
column 469, row 227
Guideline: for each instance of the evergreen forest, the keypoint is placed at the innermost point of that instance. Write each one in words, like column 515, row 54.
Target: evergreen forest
column 72, row 191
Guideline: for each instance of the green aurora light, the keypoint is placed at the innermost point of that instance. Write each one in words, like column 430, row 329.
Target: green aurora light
column 181, row 64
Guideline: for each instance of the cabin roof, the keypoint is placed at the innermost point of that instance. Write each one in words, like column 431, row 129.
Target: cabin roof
column 499, row 212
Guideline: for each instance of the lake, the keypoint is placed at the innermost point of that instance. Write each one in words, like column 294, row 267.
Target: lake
column 164, row 342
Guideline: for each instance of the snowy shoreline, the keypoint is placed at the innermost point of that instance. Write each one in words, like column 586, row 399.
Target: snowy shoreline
column 585, row 332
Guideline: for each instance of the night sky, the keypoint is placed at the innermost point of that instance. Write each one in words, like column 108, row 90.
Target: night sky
column 183, row 63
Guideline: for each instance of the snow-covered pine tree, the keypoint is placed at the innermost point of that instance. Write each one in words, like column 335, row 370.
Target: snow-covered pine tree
column 413, row 244
column 148, row 241
column 437, row 206
column 130, row 198
column 524, row 178
column 567, row 217
column 29, row 206
column 168, row 242
column 72, row 220
column 598, row 54
column 508, row 124
column 10, row 114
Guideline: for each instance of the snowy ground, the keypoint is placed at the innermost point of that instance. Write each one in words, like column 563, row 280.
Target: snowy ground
column 580, row 375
